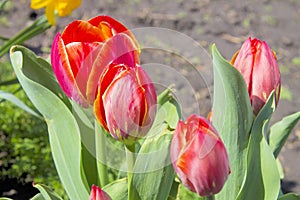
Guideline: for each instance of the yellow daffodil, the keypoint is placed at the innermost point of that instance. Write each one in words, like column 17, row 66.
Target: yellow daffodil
column 63, row 7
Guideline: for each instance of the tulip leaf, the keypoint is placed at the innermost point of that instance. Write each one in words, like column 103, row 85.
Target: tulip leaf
column 290, row 196
column 38, row 196
column 40, row 71
column 4, row 198
column 154, row 173
column 47, row 193
column 117, row 189
column 232, row 116
column 63, row 130
column 280, row 131
column 185, row 193
column 12, row 98
column 168, row 110
column 262, row 180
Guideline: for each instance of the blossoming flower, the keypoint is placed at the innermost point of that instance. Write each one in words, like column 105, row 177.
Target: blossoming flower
column 63, row 7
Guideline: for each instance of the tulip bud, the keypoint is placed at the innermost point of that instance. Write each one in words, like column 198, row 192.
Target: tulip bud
column 80, row 54
column 199, row 156
column 126, row 102
column 257, row 63
column 98, row 194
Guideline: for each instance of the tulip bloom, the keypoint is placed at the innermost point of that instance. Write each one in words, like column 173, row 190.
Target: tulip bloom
column 257, row 63
column 63, row 7
column 199, row 156
column 80, row 54
column 126, row 102
column 98, row 194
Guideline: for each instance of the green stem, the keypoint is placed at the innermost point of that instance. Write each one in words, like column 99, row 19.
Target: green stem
column 39, row 26
column 211, row 197
column 130, row 158
column 101, row 155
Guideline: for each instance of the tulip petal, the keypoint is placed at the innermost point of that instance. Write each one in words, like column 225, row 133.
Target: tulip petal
column 123, row 101
column 267, row 77
column 199, row 157
column 63, row 71
column 98, row 194
column 81, row 57
column 120, row 49
column 116, row 26
column 82, row 31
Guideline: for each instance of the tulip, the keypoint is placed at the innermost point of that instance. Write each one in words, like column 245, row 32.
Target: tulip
column 257, row 63
column 85, row 48
column 126, row 102
column 98, row 194
column 199, row 156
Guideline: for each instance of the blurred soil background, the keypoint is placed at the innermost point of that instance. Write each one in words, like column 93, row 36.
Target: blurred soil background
column 226, row 23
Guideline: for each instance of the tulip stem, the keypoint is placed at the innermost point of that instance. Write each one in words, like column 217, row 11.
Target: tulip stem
column 211, row 197
column 130, row 158
column 101, row 155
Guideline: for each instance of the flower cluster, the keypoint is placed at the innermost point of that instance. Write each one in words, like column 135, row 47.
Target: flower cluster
column 96, row 62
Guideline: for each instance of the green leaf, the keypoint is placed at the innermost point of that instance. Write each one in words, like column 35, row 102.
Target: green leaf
column 169, row 111
column 4, row 198
column 12, row 98
column 185, row 193
column 63, row 130
column 117, row 189
column 38, row 196
column 263, row 180
column 154, row 172
column 280, row 131
column 47, row 193
column 289, row 196
column 232, row 116
column 37, row 27
column 40, row 71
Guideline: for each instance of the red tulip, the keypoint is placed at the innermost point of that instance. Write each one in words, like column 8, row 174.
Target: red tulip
column 126, row 102
column 199, row 156
column 80, row 54
column 257, row 63
column 98, row 194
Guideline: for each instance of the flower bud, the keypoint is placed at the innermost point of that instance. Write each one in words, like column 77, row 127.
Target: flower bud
column 126, row 102
column 199, row 156
column 80, row 54
column 98, row 194
column 257, row 63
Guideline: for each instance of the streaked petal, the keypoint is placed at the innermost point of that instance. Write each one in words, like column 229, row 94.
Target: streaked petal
column 81, row 31
column 63, row 72
column 118, row 50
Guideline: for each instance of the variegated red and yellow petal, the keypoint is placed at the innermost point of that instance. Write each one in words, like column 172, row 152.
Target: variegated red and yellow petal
column 81, row 57
column 81, row 31
column 116, row 27
column 117, row 50
column 63, row 71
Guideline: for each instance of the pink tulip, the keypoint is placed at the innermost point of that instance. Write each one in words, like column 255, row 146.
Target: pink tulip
column 85, row 48
column 199, row 156
column 98, row 194
column 126, row 102
column 257, row 63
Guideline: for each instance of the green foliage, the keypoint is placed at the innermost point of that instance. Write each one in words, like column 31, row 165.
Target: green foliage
column 63, row 130
column 24, row 147
column 232, row 100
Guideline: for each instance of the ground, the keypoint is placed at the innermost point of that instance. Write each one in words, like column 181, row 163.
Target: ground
column 226, row 23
